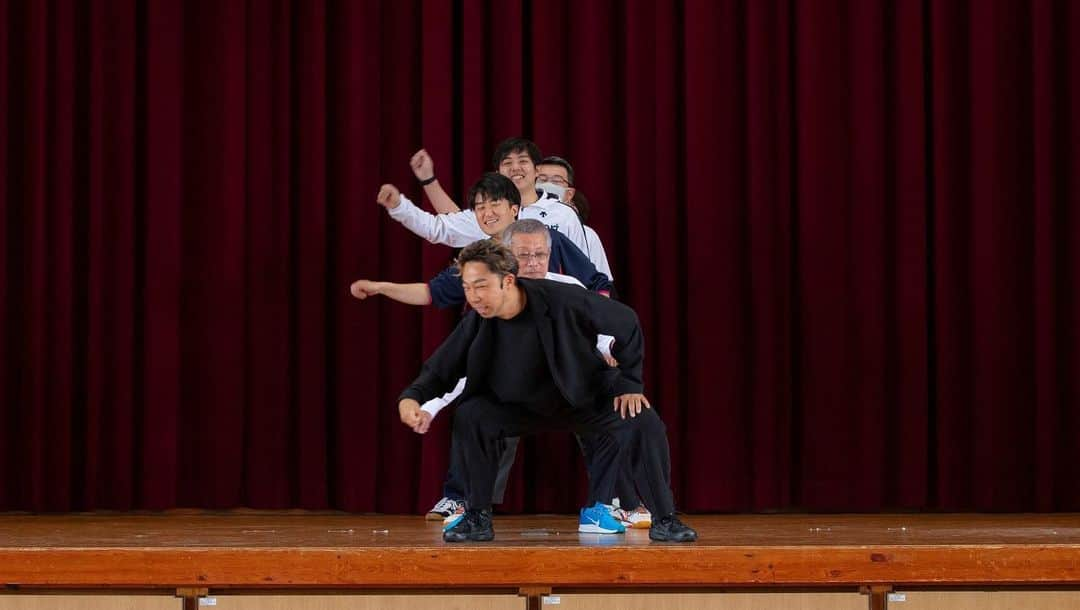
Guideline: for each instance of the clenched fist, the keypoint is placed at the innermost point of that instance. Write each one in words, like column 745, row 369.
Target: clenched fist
column 389, row 196
column 422, row 165
column 409, row 410
column 424, row 423
column 363, row 289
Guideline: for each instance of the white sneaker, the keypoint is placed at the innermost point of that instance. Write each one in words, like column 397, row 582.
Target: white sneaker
column 443, row 509
column 640, row 518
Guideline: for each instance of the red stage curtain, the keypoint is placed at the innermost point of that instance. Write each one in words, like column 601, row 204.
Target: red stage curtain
column 849, row 229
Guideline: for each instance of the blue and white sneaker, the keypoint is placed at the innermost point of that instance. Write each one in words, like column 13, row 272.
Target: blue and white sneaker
column 596, row 519
column 452, row 519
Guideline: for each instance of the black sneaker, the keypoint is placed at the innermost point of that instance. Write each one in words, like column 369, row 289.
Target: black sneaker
column 474, row 525
column 670, row 529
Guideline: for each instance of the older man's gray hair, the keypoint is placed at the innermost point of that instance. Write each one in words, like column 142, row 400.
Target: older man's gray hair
column 528, row 226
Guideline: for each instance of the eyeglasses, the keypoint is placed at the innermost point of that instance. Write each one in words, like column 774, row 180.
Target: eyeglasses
column 529, row 256
column 552, row 179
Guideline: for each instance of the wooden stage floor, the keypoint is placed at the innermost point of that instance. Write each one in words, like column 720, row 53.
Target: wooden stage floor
column 292, row 550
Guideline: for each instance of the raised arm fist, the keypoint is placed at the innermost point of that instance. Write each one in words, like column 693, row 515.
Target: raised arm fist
column 422, row 165
column 363, row 289
column 389, row 196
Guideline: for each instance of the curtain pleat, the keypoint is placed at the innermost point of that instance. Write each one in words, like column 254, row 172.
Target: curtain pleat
column 847, row 228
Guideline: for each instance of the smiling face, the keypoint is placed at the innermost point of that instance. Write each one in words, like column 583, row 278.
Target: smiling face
column 518, row 166
column 485, row 291
column 495, row 215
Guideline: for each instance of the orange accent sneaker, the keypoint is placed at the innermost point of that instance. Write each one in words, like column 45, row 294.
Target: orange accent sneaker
column 640, row 518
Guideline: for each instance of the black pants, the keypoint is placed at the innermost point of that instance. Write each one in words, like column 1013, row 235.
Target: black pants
column 480, row 423
column 454, row 485
column 625, row 483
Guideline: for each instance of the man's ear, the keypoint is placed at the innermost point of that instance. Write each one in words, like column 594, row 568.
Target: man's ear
column 514, row 209
column 570, row 195
column 508, row 280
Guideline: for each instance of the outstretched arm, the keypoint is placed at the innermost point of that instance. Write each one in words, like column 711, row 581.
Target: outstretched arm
column 410, row 294
column 424, row 169
column 456, row 230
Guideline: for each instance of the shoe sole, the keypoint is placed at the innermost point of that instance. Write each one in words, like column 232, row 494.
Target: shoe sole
column 683, row 539
column 469, row 538
column 640, row 525
column 595, row 529
column 434, row 517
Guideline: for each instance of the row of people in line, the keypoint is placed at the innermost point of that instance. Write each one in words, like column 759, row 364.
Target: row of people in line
column 521, row 232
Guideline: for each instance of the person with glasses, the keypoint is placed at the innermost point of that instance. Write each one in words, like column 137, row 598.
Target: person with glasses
column 495, row 206
column 555, row 177
column 527, row 352
column 543, row 254
column 626, row 506
column 530, row 241
column 515, row 158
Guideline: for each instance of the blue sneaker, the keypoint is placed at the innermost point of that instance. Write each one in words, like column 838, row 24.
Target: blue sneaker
column 453, row 519
column 596, row 519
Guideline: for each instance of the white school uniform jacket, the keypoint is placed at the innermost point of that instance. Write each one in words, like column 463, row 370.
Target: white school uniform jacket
column 459, row 229
column 596, row 253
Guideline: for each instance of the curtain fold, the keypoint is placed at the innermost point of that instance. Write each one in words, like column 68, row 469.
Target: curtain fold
column 847, row 228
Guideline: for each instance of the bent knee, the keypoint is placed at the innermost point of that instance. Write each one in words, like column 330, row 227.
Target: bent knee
column 648, row 421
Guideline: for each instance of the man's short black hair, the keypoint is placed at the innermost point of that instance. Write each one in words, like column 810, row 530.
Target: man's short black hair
column 515, row 145
column 563, row 163
column 494, row 186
